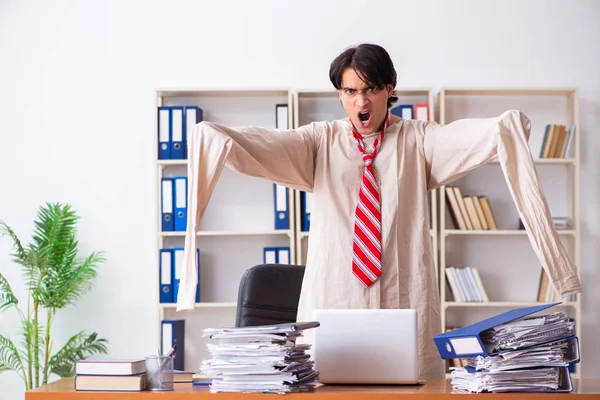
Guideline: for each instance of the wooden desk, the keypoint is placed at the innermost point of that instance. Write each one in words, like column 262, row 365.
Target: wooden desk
column 587, row 389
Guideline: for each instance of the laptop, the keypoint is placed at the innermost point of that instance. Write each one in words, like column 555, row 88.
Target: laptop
column 366, row 346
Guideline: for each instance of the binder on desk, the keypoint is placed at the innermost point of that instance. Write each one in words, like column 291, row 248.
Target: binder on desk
column 173, row 334
column 537, row 356
column 193, row 115
column 177, row 134
column 166, row 276
column 166, row 200
column 467, row 341
column 164, row 133
column 180, row 200
column 282, row 219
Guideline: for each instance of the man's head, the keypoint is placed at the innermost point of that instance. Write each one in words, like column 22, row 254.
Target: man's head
column 365, row 77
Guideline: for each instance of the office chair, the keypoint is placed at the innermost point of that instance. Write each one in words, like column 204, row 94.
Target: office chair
column 269, row 294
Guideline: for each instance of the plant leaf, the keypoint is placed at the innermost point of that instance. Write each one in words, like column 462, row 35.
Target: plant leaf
column 79, row 347
column 76, row 282
column 7, row 297
column 22, row 256
column 10, row 360
column 6, row 230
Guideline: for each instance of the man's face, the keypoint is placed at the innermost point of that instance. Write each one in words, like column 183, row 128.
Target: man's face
column 365, row 105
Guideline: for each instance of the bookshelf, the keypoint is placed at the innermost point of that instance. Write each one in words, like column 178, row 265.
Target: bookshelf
column 239, row 220
column 511, row 277
column 317, row 105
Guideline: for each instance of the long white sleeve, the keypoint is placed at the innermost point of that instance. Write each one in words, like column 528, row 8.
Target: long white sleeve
column 286, row 157
column 455, row 149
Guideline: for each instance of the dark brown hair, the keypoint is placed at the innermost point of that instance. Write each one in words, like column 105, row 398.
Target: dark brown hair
column 370, row 61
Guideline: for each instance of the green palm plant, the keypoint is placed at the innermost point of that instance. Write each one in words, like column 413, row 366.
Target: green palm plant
column 55, row 277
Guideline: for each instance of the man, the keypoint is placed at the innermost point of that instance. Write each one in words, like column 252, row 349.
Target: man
column 369, row 174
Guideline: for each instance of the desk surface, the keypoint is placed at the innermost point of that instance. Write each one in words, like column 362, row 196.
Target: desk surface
column 433, row 389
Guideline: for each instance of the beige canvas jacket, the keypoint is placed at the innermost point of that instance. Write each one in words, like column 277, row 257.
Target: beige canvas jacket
column 415, row 157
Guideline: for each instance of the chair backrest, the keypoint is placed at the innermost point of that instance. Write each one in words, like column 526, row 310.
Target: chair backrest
column 269, row 294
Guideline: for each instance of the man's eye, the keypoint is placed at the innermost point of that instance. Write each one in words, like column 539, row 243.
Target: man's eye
column 349, row 91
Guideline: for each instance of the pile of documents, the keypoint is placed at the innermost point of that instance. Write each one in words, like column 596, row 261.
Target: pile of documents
column 261, row 359
column 513, row 352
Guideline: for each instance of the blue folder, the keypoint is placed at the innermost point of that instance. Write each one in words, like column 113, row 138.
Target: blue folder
column 280, row 198
column 467, row 342
column 572, row 355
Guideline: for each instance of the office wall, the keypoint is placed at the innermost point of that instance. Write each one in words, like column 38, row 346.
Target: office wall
column 76, row 105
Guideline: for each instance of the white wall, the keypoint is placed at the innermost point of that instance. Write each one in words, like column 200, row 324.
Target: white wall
column 76, row 105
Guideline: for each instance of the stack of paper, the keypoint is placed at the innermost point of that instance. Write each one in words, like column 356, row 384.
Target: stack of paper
column 542, row 379
column 529, row 354
column 554, row 354
column 513, row 352
column 264, row 359
column 529, row 331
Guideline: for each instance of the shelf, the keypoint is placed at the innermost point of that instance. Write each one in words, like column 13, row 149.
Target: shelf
column 229, row 233
column 207, row 304
column 510, row 91
column 500, row 232
column 222, row 92
column 512, row 304
column 172, row 162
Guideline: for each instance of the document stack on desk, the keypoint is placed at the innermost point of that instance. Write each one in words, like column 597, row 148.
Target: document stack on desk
column 262, row 359
column 513, row 352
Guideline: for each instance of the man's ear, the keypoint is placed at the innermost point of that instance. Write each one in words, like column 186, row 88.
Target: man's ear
column 390, row 90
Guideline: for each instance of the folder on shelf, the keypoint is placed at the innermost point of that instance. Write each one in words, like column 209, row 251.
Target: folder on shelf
column 173, row 334
column 193, row 116
column 276, row 255
column 305, row 211
column 177, row 136
column 283, row 255
column 281, row 116
column 421, row 112
column 164, row 133
column 178, row 267
column 404, row 111
column 468, row 341
column 166, row 276
column 270, row 255
column 282, row 219
column 180, row 200
column 166, row 204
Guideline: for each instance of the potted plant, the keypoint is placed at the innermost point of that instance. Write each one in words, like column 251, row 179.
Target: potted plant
column 55, row 278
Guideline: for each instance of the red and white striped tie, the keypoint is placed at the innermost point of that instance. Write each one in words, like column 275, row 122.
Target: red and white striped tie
column 366, row 258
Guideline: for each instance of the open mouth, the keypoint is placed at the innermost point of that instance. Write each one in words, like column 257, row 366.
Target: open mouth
column 365, row 118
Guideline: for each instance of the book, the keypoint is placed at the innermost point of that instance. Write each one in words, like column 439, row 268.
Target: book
column 110, row 367
column 131, row 383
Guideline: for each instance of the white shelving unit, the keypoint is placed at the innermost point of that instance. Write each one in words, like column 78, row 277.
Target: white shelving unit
column 239, row 220
column 318, row 105
column 508, row 267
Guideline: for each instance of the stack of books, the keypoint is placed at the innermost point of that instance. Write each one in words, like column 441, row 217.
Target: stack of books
column 513, row 352
column 260, row 359
column 111, row 375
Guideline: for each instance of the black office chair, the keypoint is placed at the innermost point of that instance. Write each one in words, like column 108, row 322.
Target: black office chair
column 269, row 294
